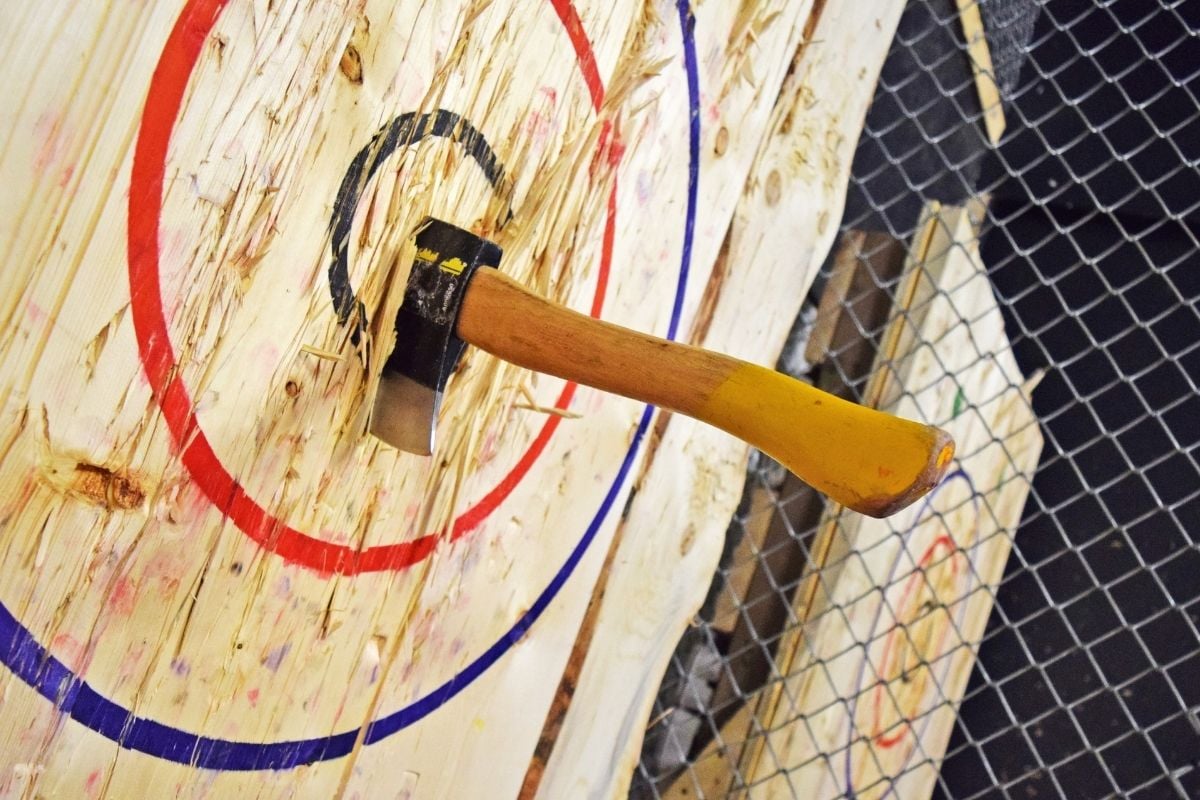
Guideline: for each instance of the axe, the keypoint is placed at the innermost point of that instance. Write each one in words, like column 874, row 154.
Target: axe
column 865, row 459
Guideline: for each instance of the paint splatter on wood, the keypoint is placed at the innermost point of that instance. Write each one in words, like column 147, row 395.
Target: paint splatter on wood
column 167, row 197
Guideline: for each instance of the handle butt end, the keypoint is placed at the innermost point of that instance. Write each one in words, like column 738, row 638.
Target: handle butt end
column 941, row 454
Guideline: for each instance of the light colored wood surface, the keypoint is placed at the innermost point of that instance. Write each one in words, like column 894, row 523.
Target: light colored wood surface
column 672, row 533
column 988, row 91
column 892, row 619
column 204, row 562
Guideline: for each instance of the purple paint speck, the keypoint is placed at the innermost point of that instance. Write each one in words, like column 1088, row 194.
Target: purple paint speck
column 180, row 667
column 645, row 187
column 275, row 657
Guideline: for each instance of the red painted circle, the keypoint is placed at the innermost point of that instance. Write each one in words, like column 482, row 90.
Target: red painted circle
column 891, row 646
column 164, row 98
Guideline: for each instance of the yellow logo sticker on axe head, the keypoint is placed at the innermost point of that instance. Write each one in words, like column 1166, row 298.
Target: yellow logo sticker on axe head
column 454, row 266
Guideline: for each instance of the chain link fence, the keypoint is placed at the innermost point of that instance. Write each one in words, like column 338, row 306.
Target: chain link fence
column 1087, row 677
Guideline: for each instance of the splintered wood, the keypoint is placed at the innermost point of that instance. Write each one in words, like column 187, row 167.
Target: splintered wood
column 671, row 538
column 890, row 622
column 212, row 582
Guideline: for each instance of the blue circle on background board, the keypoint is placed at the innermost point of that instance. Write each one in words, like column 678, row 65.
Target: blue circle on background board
column 52, row 679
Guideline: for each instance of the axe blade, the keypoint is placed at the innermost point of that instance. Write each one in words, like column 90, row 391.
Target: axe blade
column 405, row 414
column 427, row 348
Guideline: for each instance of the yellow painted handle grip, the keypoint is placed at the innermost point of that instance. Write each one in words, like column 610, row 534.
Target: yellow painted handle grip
column 864, row 459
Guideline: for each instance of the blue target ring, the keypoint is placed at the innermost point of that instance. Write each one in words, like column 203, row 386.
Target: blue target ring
column 71, row 695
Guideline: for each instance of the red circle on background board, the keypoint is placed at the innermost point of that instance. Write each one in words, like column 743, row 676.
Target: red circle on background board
column 164, row 99
column 892, row 643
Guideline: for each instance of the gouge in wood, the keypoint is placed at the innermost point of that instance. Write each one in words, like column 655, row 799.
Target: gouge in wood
column 864, row 459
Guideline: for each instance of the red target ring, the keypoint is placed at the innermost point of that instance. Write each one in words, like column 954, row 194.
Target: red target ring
column 164, row 100
column 894, row 651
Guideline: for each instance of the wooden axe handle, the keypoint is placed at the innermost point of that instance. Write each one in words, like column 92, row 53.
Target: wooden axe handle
column 864, row 459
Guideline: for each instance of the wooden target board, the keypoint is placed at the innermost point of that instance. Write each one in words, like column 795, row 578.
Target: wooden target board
column 893, row 617
column 214, row 582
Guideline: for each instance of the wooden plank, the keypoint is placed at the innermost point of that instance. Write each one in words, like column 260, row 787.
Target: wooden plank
column 847, row 261
column 891, row 620
column 988, row 90
column 211, row 579
column 855, row 309
column 855, row 305
column 672, row 532
column 756, row 526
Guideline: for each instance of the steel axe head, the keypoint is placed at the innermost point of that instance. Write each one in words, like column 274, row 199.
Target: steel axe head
column 427, row 348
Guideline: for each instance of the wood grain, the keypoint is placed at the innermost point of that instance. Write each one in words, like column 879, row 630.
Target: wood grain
column 204, row 558
column 672, row 533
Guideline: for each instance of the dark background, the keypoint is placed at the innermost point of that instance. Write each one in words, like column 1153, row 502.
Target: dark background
column 1088, row 680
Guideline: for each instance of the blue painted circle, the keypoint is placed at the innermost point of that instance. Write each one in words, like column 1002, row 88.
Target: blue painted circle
column 52, row 679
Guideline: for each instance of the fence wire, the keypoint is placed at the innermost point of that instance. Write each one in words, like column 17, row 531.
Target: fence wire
column 1087, row 681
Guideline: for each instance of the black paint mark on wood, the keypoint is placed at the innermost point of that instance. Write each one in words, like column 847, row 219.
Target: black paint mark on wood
column 406, row 129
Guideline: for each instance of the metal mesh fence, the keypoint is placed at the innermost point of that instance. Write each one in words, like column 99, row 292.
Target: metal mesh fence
column 1087, row 677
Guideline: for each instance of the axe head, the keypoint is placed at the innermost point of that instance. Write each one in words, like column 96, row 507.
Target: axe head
column 427, row 347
